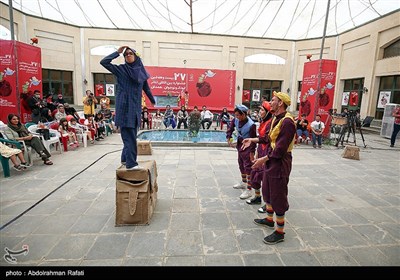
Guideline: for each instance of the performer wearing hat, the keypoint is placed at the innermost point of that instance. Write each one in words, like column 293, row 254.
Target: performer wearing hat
column 257, row 174
column 245, row 128
column 278, row 164
column 132, row 80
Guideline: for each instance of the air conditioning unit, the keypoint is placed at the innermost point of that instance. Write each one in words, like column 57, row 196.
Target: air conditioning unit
column 388, row 120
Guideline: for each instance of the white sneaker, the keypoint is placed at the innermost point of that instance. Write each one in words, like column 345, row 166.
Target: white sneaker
column 137, row 167
column 240, row 185
column 246, row 194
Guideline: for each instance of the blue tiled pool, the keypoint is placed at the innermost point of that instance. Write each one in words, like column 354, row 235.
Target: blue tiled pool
column 182, row 135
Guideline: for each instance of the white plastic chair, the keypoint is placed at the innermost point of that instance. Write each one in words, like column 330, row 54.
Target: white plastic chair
column 81, row 132
column 55, row 139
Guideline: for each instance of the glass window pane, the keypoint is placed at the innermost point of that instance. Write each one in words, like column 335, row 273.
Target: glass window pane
column 276, row 85
column 386, row 83
column 110, row 79
column 45, row 74
column 267, row 93
column 396, row 97
column 246, row 84
column 356, row 84
column 397, row 85
column 392, row 50
column 55, row 75
column 266, row 84
column 256, row 85
column 67, row 76
column 347, row 85
column 68, row 92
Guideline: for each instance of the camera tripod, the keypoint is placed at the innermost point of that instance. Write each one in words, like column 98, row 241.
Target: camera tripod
column 352, row 124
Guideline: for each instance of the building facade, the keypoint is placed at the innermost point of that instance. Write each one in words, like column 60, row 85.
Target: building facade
column 368, row 59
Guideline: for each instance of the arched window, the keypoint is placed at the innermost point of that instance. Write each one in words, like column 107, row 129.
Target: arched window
column 103, row 50
column 5, row 33
column 392, row 50
column 264, row 58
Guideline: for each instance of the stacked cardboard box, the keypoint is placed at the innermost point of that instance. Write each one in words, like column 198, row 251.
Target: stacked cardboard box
column 136, row 194
column 144, row 147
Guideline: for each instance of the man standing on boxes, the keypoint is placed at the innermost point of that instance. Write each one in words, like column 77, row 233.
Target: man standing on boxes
column 278, row 164
column 132, row 80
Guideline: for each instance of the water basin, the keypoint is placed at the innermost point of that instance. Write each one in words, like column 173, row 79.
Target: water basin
column 181, row 136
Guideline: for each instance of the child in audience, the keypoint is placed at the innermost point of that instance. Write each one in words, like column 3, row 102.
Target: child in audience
column 67, row 131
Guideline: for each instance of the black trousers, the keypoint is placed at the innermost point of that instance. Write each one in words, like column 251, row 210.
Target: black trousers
column 38, row 146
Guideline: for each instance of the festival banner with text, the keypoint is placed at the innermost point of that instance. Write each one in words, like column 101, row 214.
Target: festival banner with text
column 29, row 76
column 309, row 91
column 8, row 81
column 211, row 87
column 14, row 92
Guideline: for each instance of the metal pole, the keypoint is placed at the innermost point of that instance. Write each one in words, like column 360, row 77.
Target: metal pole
column 10, row 10
column 316, row 105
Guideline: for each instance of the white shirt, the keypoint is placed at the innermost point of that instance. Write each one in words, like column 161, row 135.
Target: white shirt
column 206, row 115
column 318, row 126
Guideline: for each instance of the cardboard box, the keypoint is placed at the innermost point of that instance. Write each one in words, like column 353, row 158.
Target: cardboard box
column 136, row 194
column 144, row 147
column 351, row 152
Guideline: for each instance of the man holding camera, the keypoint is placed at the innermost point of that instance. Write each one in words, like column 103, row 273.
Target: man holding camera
column 89, row 104
column 36, row 104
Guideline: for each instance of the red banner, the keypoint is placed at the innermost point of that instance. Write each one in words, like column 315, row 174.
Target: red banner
column 194, row 87
column 8, row 80
column 18, row 83
column 99, row 89
column 29, row 76
column 309, row 91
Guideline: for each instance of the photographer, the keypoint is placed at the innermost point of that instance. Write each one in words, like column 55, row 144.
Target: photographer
column 36, row 104
column 89, row 104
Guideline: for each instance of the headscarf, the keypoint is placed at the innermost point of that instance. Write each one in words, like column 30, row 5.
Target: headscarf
column 20, row 128
column 136, row 70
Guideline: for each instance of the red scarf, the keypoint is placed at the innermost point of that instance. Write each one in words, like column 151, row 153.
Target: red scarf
column 262, row 129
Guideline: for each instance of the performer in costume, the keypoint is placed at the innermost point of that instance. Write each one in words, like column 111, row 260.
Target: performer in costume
column 245, row 128
column 132, row 79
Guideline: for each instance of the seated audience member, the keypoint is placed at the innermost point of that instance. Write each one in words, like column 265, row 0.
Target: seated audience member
column 105, row 100
column 46, row 116
column 49, row 102
column 145, row 117
column 60, row 113
column 101, row 125
column 302, row 128
column 225, row 118
column 18, row 132
column 108, row 116
column 168, row 116
column 59, row 99
column 81, row 129
column 67, row 131
column 92, row 126
column 206, row 117
column 71, row 111
column 182, row 117
column 12, row 154
column 157, row 119
column 317, row 128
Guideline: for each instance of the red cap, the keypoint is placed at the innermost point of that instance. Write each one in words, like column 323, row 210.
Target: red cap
column 266, row 106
